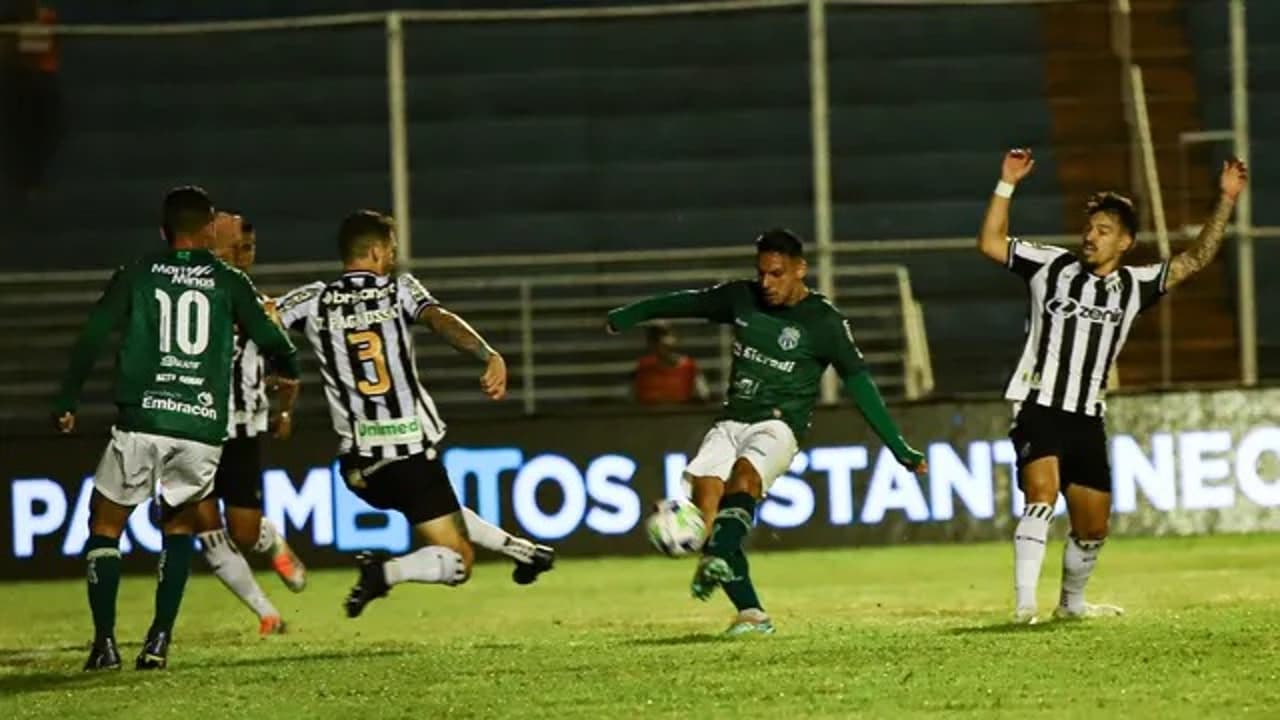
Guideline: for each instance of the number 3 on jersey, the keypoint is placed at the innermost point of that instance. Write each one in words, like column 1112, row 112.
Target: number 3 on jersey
column 185, row 321
column 368, row 345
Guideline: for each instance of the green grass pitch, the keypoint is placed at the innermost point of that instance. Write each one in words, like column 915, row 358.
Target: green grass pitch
column 889, row 632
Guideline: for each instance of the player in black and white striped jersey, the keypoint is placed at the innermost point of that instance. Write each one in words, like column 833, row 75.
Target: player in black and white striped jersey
column 238, row 483
column 1081, row 308
column 388, row 427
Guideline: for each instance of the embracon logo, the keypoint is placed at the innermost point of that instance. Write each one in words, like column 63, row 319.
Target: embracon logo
column 1065, row 307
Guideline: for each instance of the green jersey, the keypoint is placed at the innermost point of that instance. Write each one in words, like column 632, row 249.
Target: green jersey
column 779, row 353
column 176, row 311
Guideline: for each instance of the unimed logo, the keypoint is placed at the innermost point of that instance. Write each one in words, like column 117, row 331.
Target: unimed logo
column 550, row 496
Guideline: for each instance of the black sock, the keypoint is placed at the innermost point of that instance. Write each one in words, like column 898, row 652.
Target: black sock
column 103, row 556
column 175, row 566
column 733, row 522
column 741, row 590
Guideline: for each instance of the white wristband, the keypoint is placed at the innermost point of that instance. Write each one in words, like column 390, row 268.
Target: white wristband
column 1004, row 189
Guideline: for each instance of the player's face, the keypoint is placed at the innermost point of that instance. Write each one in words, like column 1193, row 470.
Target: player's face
column 227, row 234
column 781, row 277
column 1104, row 241
column 246, row 251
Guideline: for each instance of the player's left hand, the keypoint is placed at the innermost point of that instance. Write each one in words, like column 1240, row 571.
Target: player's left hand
column 66, row 422
column 1235, row 175
column 914, row 461
column 281, row 425
column 494, row 380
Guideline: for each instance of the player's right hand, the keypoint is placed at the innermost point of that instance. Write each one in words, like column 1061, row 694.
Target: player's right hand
column 1017, row 165
column 66, row 422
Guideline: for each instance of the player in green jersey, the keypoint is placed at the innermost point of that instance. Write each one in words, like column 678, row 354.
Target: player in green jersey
column 175, row 310
column 785, row 337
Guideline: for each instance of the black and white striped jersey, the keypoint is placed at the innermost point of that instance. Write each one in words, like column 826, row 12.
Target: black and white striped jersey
column 358, row 326
column 1076, row 325
column 248, row 396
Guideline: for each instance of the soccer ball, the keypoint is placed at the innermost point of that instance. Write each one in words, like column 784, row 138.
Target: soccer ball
column 676, row 528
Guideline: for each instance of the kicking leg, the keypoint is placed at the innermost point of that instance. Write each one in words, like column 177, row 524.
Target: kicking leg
column 724, row 563
column 707, row 492
column 1090, row 512
column 102, row 552
column 446, row 559
column 231, row 567
column 1039, row 482
column 531, row 559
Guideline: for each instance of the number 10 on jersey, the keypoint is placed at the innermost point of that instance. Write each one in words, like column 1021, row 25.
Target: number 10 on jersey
column 185, row 322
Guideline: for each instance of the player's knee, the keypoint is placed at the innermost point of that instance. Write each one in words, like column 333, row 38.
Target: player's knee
column 1093, row 531
column 243, row 536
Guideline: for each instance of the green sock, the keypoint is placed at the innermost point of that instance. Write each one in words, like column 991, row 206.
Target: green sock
column 733, row 522
column 175, row 566
column 103, row 555
column 740, row 590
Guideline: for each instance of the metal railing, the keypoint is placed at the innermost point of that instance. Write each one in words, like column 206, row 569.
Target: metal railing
column 544, row 312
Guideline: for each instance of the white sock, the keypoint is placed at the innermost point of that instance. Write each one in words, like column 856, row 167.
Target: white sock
column 1028, row 551
column 492, row 537
column 1078, row 559
column 268, row 537
column 233, row 570
column 431, row 564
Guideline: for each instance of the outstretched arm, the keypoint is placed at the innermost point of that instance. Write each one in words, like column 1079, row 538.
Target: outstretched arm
column 459, row 334
column 993, row 238
column 712, row 303
column 1195, row 258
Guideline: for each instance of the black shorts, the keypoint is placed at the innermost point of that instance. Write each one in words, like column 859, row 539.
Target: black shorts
column 416, row 486
column 239, row 479
column 1078, row 441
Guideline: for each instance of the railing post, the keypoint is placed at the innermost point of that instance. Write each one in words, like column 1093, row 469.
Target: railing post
column 527, row 392
column 1247, row 298
column 398, row 134
column 819, row 114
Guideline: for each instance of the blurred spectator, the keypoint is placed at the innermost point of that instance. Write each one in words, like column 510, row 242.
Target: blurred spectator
column 664, row 376
column 33, row 105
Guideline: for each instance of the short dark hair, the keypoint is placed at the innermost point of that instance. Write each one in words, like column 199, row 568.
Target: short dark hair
column 780, row 240
column 187, row 210
column 657, row 330
column 360, row 230
column 1114, row 203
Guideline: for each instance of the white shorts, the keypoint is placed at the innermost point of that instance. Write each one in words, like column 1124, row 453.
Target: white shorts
column 135, row 464
column 769, row 446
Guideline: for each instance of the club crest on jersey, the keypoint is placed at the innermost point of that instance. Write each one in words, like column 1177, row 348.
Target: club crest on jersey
column 789, row 338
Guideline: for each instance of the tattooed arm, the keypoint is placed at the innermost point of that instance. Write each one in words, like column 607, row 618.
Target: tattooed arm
column 464, row 338
column 1195, row 258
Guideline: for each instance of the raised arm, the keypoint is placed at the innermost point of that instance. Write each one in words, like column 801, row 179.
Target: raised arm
column 993, row 238
column 1195, row 258
column 713, row 303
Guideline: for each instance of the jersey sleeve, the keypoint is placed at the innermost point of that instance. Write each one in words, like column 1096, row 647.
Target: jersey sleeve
column 413, row 297
column 839, row 349
column 1151, row 283
column 713, row 303
column 259, row 326
column 106, row 315
column 1026, row 259
column 294, row 306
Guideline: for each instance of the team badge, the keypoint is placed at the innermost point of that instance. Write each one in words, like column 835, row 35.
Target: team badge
column 789, row 338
